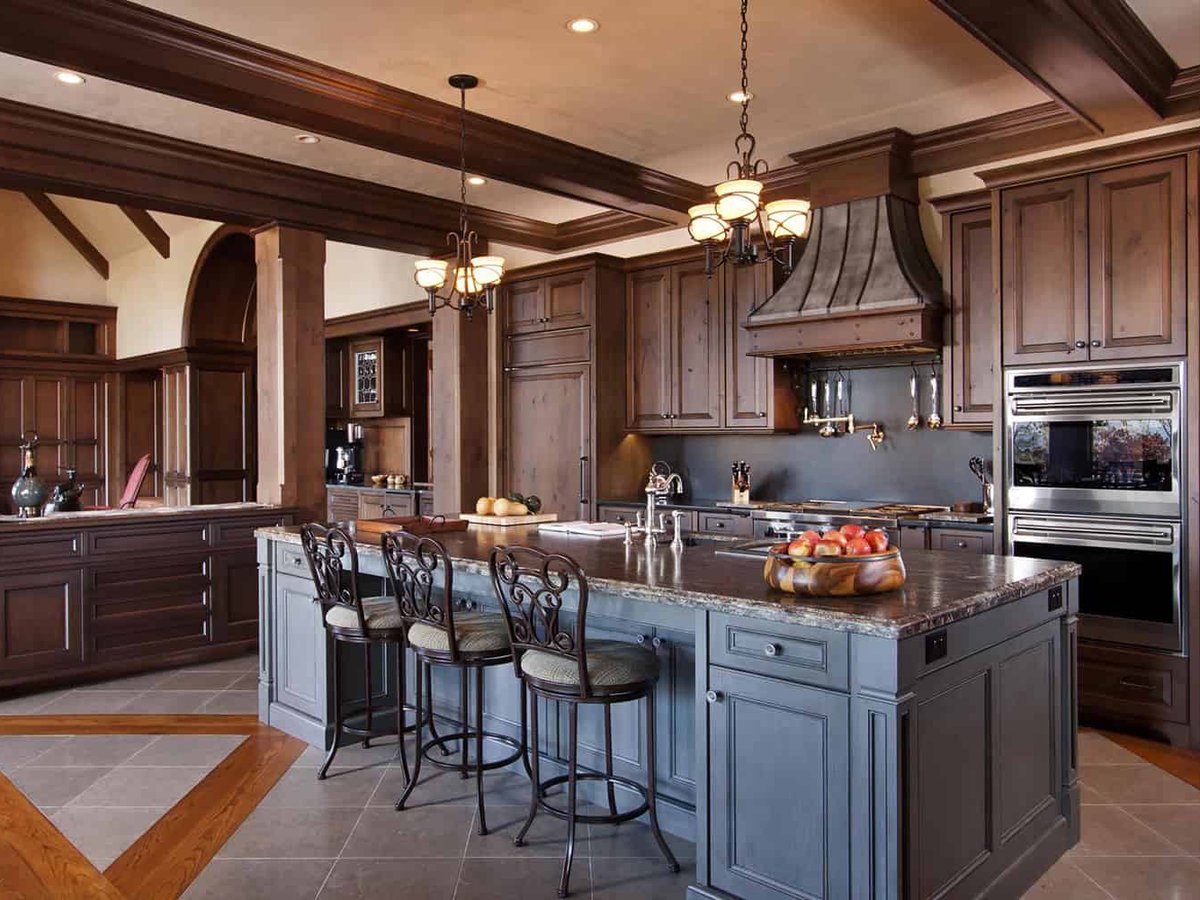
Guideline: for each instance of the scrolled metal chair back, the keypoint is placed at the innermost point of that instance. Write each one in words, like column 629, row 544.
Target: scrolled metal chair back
column 530, row 585
column 333, row 563
column 412, row 562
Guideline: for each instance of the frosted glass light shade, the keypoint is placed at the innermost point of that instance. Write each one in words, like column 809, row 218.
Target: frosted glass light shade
column 788, row 218
column 738, row 199
column 466, row 282
column 430, row 273
column 705, row 225
column 488, row 269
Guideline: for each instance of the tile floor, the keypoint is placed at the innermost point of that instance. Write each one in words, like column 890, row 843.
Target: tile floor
column 340, row 838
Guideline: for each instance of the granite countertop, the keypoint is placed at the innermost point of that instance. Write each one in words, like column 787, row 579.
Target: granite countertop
column 713, row 506
column 96, row 516
column 942, row 587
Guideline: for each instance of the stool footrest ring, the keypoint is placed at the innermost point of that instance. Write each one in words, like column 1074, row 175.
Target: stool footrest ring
column 609, row 819
column 443, row 762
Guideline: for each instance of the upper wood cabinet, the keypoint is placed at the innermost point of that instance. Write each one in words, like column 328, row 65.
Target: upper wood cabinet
column 565, row 300
column 969, row 353
column 1093, row 267
column 337, row 379
column 381, row 377
column 688, row 368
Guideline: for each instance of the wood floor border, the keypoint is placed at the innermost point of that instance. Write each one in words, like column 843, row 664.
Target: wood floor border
column 1183, row 764
column 130, row 724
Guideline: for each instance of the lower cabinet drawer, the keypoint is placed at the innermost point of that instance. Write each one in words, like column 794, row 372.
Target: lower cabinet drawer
column 792, row 652
column 960, row 539
column 290, row 559
column 722, row 523
column 1129, row 684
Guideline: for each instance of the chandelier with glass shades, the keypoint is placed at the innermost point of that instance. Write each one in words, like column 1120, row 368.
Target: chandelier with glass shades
column 724, row 227
column 472, row 284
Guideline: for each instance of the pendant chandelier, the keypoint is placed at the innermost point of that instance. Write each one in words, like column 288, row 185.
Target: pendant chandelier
column 724, row 226
column 472, row 284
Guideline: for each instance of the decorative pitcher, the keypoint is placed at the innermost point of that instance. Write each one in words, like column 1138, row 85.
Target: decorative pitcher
column 29, row 492
column 66, row 496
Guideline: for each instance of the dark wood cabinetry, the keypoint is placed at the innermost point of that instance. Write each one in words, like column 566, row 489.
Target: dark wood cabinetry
column 563, row 300
column 337, row 379
column 381, row 377
column 688, row 368
column 1093, row 267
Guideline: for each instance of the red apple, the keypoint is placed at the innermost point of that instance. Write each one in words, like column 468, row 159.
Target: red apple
column 811, row 536
column 858, row 546
column 835, row 535
column 852, row 530
column 878, row 539
column 829, row 548
column 799, row 548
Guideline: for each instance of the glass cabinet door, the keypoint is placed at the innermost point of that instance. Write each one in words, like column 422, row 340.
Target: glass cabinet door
column 366, row 377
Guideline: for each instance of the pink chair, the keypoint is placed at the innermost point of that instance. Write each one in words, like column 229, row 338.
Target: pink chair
column 133, row 485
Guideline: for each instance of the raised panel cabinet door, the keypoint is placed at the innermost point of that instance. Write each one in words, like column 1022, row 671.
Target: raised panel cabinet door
column 569, row 299
column 779, row 792
column 524, row 306
column 748, row 385
column 337, row 380
column 13, row 412
column 48, row 417
column 696, row 361
column 675, row 711
column 972, row 319
column 87, row 430
column 41, row 621
column 301, row 648
column 547, row 447
column 1138, row 226
column 342, row 504
column 648, row 294
column 1043, row 272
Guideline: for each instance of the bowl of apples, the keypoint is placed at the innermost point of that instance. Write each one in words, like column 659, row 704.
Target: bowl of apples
column 849, row 561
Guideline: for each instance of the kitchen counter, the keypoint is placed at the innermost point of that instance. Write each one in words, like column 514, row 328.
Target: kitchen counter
column 941, row 588
column 700, row 505
column 925, row 723
column 88, row 518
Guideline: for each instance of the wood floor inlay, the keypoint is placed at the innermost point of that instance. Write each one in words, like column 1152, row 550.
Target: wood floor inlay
column 36, row 861
column 1183, row 764
column 91, row 723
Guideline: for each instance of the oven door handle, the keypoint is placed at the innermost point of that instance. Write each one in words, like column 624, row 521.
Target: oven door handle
column 1126, row 404
column 1149, row 535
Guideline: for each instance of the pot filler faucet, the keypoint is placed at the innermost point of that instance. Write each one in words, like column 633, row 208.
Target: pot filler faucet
column 661, row 485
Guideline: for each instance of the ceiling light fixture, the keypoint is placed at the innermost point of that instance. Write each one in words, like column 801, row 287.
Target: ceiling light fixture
column 741, row 96
column 583, row 25
column 476, row 180
column 308, row 139
column 782, row 223
column 72, row 78
column 475, row 278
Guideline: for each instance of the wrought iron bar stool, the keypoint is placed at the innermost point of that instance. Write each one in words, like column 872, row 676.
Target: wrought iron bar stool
column 556, row 661
column 353, row 619
column 467, row 641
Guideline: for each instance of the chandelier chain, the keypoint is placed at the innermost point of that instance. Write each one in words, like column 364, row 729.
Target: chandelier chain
column 462, row 160
column 745, row 117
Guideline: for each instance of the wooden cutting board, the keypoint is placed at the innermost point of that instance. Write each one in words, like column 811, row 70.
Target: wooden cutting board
column 412, row 524
column 510, row 520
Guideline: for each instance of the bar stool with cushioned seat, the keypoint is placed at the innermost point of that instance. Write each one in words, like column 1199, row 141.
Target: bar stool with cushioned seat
column 557, row 662
column 353, row 619
column 439, row 636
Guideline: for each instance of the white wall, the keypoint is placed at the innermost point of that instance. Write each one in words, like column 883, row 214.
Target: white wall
column 36, row 262
column 358, row 279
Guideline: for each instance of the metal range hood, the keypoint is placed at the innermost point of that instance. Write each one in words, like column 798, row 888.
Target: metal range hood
column 865, row 283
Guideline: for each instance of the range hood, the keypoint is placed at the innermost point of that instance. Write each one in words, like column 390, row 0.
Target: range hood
column 864, row 285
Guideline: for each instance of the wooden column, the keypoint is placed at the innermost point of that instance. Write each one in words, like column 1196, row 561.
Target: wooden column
column 459, row 421
column 291, row 369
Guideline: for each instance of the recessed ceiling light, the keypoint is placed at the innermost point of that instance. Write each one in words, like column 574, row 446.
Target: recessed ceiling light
column 582, row 26
column 69, row 77
column 308, row 139
column 476, row 180
column 741, row 96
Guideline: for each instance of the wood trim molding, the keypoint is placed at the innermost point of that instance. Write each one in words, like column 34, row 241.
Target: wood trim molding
column 69, row 231
column 1095, row 57
column 559, row 266
column 1101, row 157
column 375, row 320
column 150, row 230
column 149, row 49
column 952, row 203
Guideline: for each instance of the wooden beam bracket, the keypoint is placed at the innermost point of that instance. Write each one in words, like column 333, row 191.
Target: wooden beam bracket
column 67, row 229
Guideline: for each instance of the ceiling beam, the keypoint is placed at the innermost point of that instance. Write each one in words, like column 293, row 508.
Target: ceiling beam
column 67, row 229
column 139, row 46
column 1094, row 57
column 151, row 230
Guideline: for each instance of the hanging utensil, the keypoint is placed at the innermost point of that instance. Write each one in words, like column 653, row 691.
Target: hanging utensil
column 978, row 469
column 914, row 418
column 935, row 420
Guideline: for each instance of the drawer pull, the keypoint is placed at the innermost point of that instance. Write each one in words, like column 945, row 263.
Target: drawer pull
column 714, row 696
column 718, row 524
column 1137, row 685
column 772, row 650
column 297, row 561
column 962, row 545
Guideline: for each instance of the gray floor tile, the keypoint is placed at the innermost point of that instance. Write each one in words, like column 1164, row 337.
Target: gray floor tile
column 421, row 833
column 18, row 749
column 239, row 664
column 104, row 833
column 1110, row 831
column 141, row 682
column 1144, row 879
column 247, row 682
column 169, row 702
column 291, row 834
column 1138, row 784
column 260, row 879
column 1179, row 824
column 547, row 837
column 500, row 879
column 1065, row 881
column 346, row 788
column 440, row 787
column 387, row 879
column 640, row 879
column 29, row 704
column 1097, row 750
column 85, row 702
column 55, row 786
column 141, row 786
column 198, row 681
column 187, row 750
column 94, row 750
column 232, row 703
column 635, row 839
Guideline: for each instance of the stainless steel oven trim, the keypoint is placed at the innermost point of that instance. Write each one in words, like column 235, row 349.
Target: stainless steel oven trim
column 1120, row 533
column 1123, row 401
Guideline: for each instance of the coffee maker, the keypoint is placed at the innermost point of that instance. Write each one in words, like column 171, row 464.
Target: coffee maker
column 344, row 454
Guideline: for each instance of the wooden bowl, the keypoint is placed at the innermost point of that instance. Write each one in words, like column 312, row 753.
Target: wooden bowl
column 836, row 576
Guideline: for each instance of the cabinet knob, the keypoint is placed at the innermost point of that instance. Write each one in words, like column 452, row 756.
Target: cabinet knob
column 666, row 415
column 641, row 639
column 718, row 524
column 1095, row 343
column 762, row 415
column 962, row 545
column 772, row 650
column 1081, row 344
column 958, row 407
column 297, row 560
column 658, row 643
column 714, row 696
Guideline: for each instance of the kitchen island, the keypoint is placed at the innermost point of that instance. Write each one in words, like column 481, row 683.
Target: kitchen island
column 95, row 594
column 917, row 743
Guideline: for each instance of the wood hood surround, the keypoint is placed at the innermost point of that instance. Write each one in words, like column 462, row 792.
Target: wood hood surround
column 864, row 282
